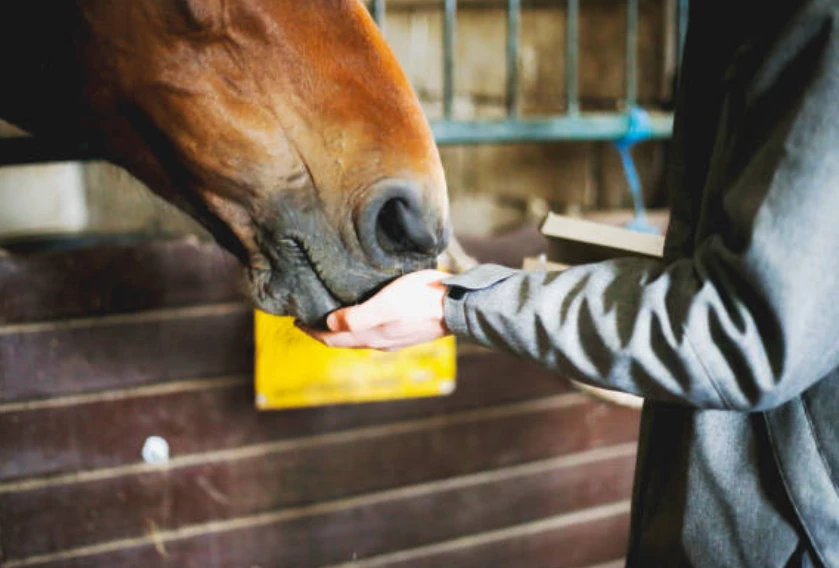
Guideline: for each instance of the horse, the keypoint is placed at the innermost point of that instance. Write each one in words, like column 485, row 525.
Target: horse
column 287, row 128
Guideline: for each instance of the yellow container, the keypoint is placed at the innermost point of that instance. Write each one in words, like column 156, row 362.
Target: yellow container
column 294, row 370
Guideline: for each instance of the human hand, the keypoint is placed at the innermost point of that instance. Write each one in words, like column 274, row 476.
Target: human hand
column 406, row 312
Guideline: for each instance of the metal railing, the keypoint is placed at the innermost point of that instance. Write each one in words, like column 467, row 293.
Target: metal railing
column 571, row 125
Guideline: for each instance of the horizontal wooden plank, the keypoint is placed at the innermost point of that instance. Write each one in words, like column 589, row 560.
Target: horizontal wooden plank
column 52, row 439
column 49, row 517
column 41, row 360
column 560, row 544
column 385, row 523
column 113, row 279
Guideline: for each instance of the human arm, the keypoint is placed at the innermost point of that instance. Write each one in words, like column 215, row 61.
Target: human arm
column 748, row 320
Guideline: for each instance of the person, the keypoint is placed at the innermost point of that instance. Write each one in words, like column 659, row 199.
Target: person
column 732, row 339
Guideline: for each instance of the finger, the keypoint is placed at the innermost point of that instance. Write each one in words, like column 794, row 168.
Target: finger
column 335, row 321
column 343, row 339
column 348, row 340
column 381, row 339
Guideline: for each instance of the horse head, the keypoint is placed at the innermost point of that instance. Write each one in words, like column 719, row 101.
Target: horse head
column 286, row 127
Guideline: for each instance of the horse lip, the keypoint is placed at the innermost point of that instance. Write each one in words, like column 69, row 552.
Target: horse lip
column 292, row 287
column 311, row 304
column 298, row 251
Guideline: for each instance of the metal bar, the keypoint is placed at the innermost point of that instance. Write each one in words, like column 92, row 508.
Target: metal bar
column 513, row 26
column 28, row 150
column 379, row 13
column 587, row 126
column 631, row 52
column 683, row 28
column 669, row 59
column 633, row 180
column 572, row 56
column 449, row 34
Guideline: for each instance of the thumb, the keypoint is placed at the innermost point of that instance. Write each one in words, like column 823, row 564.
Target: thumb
column 336, row 321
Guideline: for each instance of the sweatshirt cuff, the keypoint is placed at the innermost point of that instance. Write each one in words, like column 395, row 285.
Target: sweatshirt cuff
column 462, row 288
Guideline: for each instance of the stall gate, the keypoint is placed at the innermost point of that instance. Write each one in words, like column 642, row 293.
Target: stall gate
column 111, row 350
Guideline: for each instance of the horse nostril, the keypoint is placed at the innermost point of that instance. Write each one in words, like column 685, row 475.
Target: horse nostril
column 395, row 224
column 401, row 228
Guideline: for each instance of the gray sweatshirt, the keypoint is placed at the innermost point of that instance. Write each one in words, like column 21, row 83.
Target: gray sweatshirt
column 733, row 339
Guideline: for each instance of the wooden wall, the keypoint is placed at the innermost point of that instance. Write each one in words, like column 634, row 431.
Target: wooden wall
column 101, row 348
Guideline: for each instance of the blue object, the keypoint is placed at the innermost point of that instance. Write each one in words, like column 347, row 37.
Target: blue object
column 639, row 128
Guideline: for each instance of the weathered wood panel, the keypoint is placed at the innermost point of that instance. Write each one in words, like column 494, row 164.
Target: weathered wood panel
column 408, row 518
column 48, row 359
column 513, row 465
column 120, row 504
column 95, row 281
column 563, row 542
column 64, row 435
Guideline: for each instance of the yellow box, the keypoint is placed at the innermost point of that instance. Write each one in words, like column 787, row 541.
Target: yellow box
column 294, row 370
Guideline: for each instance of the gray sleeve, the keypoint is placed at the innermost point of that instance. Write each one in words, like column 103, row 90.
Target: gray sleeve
column 747, row 322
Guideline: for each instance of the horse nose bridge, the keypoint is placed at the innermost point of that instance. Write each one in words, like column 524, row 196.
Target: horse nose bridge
column 398, row 222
